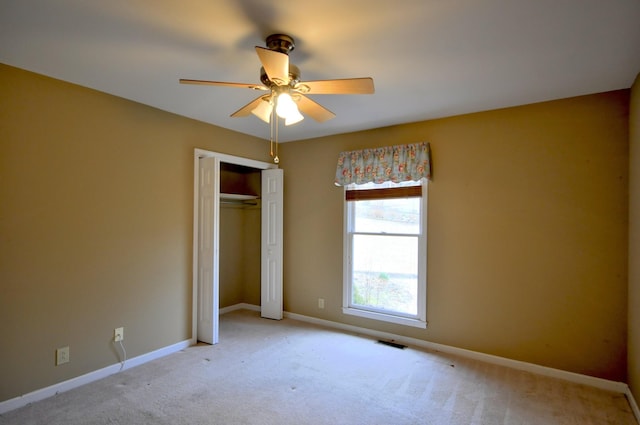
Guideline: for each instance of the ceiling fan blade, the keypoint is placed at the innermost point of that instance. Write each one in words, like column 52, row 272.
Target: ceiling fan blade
column 275, row 64
column 246, row 109
column 313, row 109
column 344, row 86
column 221, row 83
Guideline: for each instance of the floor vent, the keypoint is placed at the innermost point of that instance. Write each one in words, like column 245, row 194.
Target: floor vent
column 392, row 344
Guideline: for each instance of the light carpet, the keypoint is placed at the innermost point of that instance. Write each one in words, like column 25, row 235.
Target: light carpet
column 289, row 372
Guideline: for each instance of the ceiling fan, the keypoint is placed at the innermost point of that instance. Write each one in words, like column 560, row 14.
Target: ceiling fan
column 285, row 92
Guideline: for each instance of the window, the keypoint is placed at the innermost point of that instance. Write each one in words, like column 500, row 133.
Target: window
column 385, row 252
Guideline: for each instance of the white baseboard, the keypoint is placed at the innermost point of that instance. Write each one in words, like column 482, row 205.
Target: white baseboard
column 240, row 306
column 78, row 381
column 632, row 402
column 619, row 387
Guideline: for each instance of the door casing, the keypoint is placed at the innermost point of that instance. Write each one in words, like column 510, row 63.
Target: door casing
column 219, row 158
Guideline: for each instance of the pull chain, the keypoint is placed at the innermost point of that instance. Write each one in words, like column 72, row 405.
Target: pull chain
column 271, row 134
column 275, row 158
column 274, row 142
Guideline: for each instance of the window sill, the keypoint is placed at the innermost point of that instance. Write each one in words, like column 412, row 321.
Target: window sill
column 385, row 317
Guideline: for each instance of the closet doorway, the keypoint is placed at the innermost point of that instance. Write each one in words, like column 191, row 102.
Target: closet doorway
column 221, row 179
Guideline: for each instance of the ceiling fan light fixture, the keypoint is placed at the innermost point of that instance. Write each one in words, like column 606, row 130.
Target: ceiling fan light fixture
column 263, row 110
column 293, row 118
column 287, row 109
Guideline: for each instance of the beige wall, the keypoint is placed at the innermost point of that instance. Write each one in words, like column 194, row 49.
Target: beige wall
column 231, row 256
column 527, row 239
column 251, row 251
column 239, row 255
column 96, row 207
column 634, row 241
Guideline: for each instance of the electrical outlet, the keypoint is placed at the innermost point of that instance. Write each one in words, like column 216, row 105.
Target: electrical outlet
column 118, row 334
column 320, row 302
column 62, row 355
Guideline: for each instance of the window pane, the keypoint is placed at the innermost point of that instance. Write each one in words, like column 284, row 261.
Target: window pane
column 399, row 215
column 385, row 272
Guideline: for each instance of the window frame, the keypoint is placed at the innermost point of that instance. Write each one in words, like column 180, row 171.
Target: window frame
column 420, row 319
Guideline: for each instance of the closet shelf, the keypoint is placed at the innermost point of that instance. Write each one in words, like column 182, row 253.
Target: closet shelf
column 239, row 200
column 238, row 197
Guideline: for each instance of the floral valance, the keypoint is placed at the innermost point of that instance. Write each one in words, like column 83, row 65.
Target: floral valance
column 391, row 163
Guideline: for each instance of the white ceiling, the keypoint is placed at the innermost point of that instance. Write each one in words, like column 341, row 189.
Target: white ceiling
column 428, row 58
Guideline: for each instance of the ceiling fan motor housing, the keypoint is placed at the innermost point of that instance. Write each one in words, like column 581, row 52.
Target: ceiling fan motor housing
column 280, row 43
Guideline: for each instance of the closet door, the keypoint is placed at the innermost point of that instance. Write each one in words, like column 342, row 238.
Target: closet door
column 271, row 264
column 208, row 235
